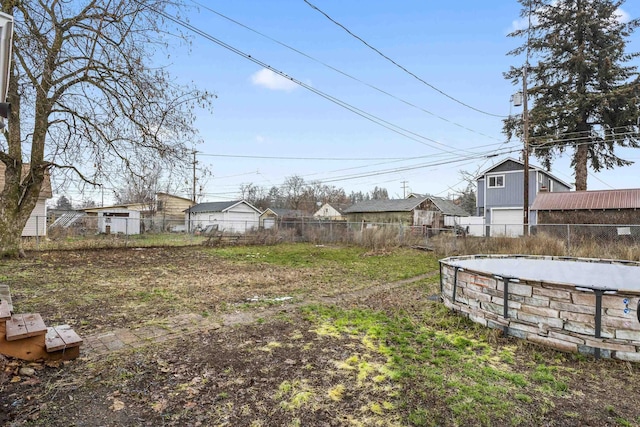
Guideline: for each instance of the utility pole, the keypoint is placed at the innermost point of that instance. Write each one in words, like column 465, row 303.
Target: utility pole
column 194, row 177
column 404, row 189
column 525, row 133
column 193, row 194
column 525, row 151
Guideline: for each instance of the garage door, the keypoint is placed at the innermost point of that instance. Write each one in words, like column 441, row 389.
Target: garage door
column 240, row 222
column 506, row 222
column 269, row 223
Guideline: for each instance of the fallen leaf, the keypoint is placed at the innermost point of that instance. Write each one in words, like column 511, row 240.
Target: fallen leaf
column 16, row 379
column 159, row 406
column 118, row 405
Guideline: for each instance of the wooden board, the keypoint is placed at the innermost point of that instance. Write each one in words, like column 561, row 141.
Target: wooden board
column 5, row 311
column 24, row 326
column 61, row 337
column 5, row 295
column 31, row 348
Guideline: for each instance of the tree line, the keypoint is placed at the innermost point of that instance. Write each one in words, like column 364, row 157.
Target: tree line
column 297, row 194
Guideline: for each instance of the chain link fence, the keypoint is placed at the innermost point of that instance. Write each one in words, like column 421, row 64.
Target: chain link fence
column 80, row 231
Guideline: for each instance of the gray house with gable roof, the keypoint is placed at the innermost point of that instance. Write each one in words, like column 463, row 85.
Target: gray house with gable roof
column 500, row 195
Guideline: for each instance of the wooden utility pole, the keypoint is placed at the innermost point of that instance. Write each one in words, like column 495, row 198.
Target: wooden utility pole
column 404, row 189
column 525, row 152
column 525, row 133
column 193, row 198
column 193, row 194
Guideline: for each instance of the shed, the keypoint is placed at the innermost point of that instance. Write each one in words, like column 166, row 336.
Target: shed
column 119, row 220
column 236, row 216
column 589, row 207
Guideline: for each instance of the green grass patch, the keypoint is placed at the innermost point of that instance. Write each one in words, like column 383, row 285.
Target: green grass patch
column 392, row 265
column 446, row 358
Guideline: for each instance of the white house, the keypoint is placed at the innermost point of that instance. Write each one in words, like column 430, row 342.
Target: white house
column 333, row 212
column 236, row 216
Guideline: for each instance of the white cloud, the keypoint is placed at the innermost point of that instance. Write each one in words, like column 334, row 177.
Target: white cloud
column 523, row 23
column 270, row 80
column 260, row 139
column 622, row 16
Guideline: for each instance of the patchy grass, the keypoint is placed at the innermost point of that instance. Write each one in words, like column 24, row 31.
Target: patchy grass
column 378, row 356
column 94, row 289
column 386, row 265
column 445, row 361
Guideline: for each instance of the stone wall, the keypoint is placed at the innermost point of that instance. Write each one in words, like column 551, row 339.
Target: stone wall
column 554, row 315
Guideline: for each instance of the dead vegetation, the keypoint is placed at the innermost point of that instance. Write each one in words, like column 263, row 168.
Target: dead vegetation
column 348, row 350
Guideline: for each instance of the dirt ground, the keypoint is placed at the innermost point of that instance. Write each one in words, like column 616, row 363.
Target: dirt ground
column 275, row 368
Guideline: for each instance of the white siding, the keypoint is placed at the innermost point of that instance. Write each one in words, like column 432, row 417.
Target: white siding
column 37, row 222
column 239, row 219
column 129, row 224
column 474, row 225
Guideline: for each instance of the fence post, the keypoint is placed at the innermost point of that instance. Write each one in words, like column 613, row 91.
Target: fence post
column 126, row 232
column 568, row 239
column 38, row 233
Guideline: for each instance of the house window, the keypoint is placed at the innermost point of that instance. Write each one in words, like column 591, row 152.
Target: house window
column 496, row 181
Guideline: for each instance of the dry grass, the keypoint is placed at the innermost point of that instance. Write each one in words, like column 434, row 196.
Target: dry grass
column 541, row 244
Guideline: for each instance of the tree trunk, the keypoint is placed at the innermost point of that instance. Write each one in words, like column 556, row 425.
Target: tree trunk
column 580, row 158
column 11, row 227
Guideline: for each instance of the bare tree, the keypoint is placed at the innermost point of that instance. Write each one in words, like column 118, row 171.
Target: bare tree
column 140, row 188
column 293, row 191
column 85, row 101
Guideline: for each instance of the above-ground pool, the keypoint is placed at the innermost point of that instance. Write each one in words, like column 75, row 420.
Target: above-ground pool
column 571, row 304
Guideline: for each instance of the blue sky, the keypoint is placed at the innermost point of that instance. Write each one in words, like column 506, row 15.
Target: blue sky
column 457, row 46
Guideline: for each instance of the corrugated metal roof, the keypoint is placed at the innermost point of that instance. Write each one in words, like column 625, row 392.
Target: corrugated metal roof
column 579, row 200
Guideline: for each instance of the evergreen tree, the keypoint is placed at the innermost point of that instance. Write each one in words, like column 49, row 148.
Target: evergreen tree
column 580, row 81
column 64, row 203
column 379, row 193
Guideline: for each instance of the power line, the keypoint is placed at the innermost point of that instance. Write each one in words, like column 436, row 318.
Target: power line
column 368, row 116
column 400, row 66
column 393, row 159
column 456, row 159
column 341, row 72
column 244, row 156
column 586, row 140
